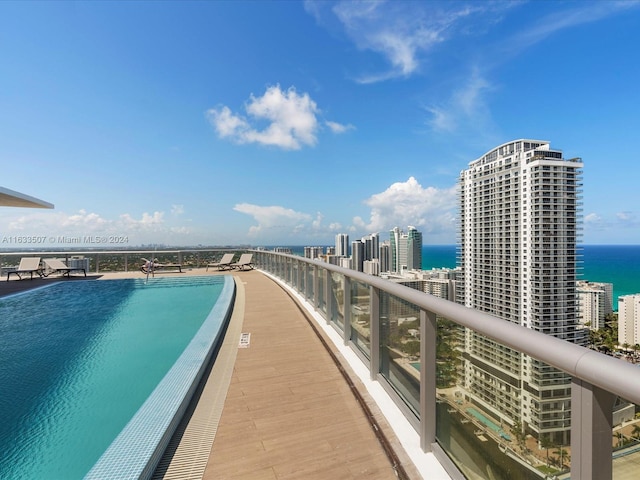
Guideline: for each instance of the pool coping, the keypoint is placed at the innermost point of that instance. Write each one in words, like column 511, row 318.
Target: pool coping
column 136, row 451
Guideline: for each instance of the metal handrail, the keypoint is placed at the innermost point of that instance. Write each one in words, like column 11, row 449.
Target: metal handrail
column 612, row 374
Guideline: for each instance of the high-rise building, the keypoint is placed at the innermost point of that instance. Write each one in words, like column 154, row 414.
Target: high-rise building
column 357, row 255
column 414, row 249
column 385, row 256
column 395, row 244
column 595, row 302
column 371, row 246
column 342, row 245
column 519, row 228
column 629, row 319
column 313, row 252
column 406, row 250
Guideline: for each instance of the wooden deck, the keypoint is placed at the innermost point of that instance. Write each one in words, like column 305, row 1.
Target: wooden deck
column 292, row 410
column 289, row 412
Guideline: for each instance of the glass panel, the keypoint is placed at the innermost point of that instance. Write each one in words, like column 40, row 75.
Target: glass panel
column 310, row 287
column 300, row 277
column 626, row 440
column 321, row 288
column 400, row 347
column 337, row 300
column 293, row 270
column 360, row 317
column 110, row 262
column 487, row 424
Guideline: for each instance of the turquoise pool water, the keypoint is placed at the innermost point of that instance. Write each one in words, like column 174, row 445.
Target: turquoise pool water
column 78, row 359
column 489, row 423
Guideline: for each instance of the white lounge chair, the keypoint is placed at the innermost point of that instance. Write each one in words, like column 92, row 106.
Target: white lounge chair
column 223, row 264
column 245, row 261
column 58, row 266
column 28, row 265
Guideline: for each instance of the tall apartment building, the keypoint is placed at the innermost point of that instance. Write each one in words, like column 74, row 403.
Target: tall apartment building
column 357, row 255
column 406, row 250
column 519, row 226
column 385, row 256
column 342, row 245
column 371, row 246
column 595, row 302
column 414, row 249
column 313, row 252
column 629, row 319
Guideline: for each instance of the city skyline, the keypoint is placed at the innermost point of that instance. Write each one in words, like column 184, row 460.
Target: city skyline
column 226, row 123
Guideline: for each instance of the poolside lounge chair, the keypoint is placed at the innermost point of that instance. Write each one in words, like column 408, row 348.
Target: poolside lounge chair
column 224, row 263
column 58, row 266
column 245, row 261
column 153, row 266
column 28, row 265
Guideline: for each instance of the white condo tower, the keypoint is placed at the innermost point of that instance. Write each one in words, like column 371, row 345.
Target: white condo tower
column 519, row 227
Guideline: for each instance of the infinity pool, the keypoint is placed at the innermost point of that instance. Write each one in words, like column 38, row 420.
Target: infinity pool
column 78, row 359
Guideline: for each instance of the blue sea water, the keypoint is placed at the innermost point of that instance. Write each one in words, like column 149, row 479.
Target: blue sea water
column 617, row 264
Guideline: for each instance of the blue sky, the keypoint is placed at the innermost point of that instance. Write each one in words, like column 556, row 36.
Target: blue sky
column 284, row 123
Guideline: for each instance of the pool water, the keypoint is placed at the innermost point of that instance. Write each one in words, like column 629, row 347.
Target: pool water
column 78, row 359
column 489, row 423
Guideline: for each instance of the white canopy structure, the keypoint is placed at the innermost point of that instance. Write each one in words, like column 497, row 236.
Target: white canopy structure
column 9, row 198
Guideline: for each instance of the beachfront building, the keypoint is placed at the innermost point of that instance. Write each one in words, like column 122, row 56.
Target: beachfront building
column 629, row 319
column 518, row 231
column 414, row 249
column 405, row 250
column 313, row 252
column 342, row 245
column 595, row 302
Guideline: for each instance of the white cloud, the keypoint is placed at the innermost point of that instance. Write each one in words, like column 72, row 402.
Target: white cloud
column 177, row 209
column 338, row 127
column 598, row 227
column 50, row 225
column 47, row 223
column 291, row 120
column 466, row 108
column 402, row 32
column 146, row 221
column 592, row 218
column 545, row 26
column 625, row 216
column 408, row 203
column 272, row 218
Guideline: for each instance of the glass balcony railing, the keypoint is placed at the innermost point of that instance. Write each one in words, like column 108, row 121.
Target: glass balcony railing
column 487, row 397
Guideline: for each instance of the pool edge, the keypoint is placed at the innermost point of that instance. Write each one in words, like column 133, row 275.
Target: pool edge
column 144, row 439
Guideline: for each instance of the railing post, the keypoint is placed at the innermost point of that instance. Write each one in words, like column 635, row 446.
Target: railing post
column 591, row 431
column 346, row 309
column 428, row 338
column 374, row 312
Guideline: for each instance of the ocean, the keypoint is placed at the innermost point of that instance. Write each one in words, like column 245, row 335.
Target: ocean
column 617, row 264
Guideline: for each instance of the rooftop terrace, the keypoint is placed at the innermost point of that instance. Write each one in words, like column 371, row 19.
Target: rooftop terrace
column 321, row 390
column 292, row 409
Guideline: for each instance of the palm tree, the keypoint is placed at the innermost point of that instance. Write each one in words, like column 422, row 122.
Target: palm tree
column 635, row 433
column 546, row 443
column 562, row 453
